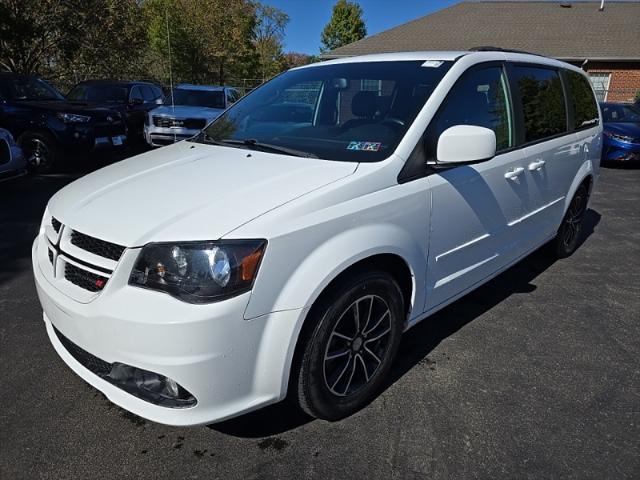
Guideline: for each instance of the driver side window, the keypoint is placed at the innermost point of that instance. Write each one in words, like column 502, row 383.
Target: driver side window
column 479, row 98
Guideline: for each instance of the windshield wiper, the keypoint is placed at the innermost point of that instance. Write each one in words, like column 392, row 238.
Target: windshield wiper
column 267, row 147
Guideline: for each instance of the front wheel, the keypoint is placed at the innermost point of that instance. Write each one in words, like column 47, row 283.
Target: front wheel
column 40, row 149
column 348, row 351
column 568, row 236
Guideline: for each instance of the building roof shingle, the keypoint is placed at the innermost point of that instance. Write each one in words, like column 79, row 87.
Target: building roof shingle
column 575, row 33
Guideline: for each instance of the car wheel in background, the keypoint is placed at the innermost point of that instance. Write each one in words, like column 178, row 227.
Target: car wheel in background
column 349, row 345
column 40, row 151
column 568, row 236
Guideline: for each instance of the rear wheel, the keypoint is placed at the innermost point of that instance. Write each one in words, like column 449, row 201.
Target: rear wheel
column 348, row 351
column 568, row 236
column 40, row 149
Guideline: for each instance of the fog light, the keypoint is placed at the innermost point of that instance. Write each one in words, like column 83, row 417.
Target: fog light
column 149, row 386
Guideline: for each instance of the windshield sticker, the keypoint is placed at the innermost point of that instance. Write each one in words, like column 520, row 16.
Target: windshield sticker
column 432, row 63
column 364, row 146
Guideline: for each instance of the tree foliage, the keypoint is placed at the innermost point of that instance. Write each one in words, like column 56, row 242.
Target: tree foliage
column 269, row 35
column 212, row 41
column 68, row 40
column 345, row 26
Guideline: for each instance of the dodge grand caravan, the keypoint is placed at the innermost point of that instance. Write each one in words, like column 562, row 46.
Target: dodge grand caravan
column 285, row 249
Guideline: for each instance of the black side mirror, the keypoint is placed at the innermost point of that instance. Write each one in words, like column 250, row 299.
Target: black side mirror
column 136, row 101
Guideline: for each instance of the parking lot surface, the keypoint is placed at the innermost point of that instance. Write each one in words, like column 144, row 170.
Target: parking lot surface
column 534, row 375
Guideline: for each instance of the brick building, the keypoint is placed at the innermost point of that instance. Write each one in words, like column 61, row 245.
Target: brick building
column 605, row 42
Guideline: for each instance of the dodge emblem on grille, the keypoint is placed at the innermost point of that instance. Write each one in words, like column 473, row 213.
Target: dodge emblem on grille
column 109, row 118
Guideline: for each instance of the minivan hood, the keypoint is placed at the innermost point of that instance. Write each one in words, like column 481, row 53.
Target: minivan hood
column 182, row 111
column 187, row 191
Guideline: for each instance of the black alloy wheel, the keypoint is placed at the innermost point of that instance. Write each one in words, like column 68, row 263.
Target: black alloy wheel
column 40, row 150
column 349, row 345
column 568, row 237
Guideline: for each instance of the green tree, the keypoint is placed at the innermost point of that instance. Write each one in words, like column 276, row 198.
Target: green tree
column 345, row 26
column 269, row 34
column 68, row 40
column 211, row 40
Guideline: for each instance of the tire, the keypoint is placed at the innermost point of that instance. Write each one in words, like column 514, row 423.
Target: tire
column 336, row 376
column 40, row 149
column 568, row 236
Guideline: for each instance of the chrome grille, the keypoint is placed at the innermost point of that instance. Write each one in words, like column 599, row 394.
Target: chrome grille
column 96, row 246
column 84, row 279
column 55, row 223
column 190, row 123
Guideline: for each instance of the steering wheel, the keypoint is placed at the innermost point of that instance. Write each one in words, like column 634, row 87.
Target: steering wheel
column 393, row 121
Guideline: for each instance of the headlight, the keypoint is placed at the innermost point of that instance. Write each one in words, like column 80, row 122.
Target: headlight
column 199, row 272
column 619, row 138
column 73, row 118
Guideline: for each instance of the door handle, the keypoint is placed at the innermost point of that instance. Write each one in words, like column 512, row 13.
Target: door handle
column 537, row 165
column 514, row 173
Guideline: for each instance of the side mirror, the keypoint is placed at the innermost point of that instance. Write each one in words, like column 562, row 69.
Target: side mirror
column 466, row 144
column 136, row 101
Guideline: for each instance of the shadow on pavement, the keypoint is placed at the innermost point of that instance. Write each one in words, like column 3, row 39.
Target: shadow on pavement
column 424, row 337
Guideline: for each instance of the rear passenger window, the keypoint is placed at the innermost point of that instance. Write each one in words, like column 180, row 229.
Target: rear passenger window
column 479, row 98
column 544, row 111
column 585, row 110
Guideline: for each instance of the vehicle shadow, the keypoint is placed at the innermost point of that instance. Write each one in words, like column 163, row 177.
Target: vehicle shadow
column 424, row 338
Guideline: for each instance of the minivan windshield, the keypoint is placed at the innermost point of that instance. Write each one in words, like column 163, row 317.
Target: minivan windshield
column 354, row 112
column 196, row 98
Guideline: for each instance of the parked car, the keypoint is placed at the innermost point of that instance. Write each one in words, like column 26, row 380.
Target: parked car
column 132, row 99
column 621, row 132
column 12, row 161
column 186, row 112
column 47, row 126
column 268, row 256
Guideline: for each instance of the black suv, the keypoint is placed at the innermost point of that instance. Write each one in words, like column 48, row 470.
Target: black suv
column 46, row 125
column 132, row 99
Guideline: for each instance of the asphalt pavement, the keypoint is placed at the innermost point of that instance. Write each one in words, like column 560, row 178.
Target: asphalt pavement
column 534, row 375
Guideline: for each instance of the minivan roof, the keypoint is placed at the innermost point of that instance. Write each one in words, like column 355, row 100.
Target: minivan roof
column 483, row 53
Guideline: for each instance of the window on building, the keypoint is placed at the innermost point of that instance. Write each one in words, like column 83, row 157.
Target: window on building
column 543, row 107
column 600, row 82
column 371, row 86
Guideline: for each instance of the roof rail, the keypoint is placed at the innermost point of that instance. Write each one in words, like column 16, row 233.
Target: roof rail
column 487, row 48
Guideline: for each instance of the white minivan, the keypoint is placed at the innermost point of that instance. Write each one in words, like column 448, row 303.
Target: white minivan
column 285, row 249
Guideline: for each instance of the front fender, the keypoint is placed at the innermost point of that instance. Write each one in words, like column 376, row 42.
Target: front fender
column 309, row 276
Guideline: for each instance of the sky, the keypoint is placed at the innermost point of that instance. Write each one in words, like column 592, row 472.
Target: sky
column 307, row 18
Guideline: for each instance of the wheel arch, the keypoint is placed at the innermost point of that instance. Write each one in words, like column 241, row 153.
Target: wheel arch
column 392, row 263
column 584, row 176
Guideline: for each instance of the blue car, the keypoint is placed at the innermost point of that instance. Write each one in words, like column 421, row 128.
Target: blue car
column 12, row 161
column 621, row 132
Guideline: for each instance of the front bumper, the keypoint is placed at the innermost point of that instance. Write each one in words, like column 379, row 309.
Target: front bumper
column 615, row 151
column 89, row 137
column 160, row 136
column 229, row 364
